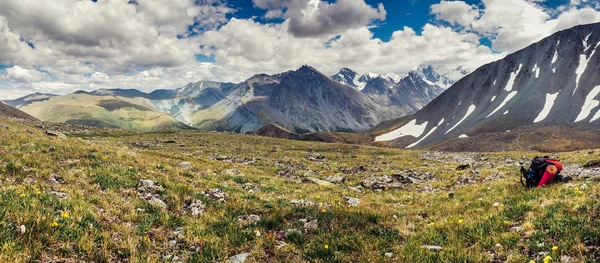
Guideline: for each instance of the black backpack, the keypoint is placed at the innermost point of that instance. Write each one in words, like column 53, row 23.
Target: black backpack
column 534, row 174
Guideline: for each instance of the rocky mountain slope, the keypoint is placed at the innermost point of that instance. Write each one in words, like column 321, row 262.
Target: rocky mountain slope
column 10, row 112
column 553, row 82
column 302, row 101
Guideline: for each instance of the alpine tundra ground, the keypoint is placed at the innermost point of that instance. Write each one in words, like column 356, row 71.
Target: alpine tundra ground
column 194, row 196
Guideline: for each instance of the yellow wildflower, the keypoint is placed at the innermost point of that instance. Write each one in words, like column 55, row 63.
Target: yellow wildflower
column 147, row 238
column 326, row 246
column 554, row 248
column 64, row 215
column 532, row 261
column 460, row 221
column 323, row 210
column 547, row 259
column 54, row 224
column 23, row 195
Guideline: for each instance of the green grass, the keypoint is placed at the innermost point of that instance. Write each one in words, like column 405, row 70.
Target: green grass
column 103, row 220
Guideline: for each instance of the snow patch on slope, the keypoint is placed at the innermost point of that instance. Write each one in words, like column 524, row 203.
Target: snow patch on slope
column 463, row 136
column 589, row 104
column 513, row 77
column 550, row 99
column 536, row 69
column 555, row 58
column 583, row 62
column 410, row 129
column 506, row 100
column 469, row 111
column 426, row 135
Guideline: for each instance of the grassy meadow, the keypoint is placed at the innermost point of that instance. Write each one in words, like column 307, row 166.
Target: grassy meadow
column 77, row 200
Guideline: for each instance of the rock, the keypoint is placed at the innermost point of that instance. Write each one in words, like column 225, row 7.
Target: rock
column 498, row 246
column 335, row 179
column 216, row 194
column 56, row 134
column 359, row 169
column 463, row 167
column 231, row 159
column 56, row 180
column 351, row 201
column 592, row 164
column 149, row 186
column 567, row 259
column 583, row 187
column 58, row 194
column 312, row 225
column 248, row 220
column 21, row 229
column 318, row 182
column 148, row 190
column 515, row 229
column 315, row 157
column 432, row 248
column 280, row 244
column 389, row 255
column 172, row 243
column 301, row 203
column 185, row 165
column 239, row 258
column 250, row 188
column 232, row 172
column 196, row 207
column 157, row 202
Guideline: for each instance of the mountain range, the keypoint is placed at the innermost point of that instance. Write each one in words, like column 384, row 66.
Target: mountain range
column 302, row 101
column 550, row 88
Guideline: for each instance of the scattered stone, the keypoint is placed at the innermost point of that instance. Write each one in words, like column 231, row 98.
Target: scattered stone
column 318, row 181
column 463, row 167
column 515, row 229
column 216, row 194
column 335, row 179
column 592, row 164
column 498, row 246
column 250, row 188
column 248, row 220
column 148, row 190
column 312, row 225
column 583, row 187
column 280, row 244
column 4, row 127
column 21, row 229
column 56, row 180
column 157, row 202
column 287, row 173
column 185, row 165
column 275, row 148
column 359, row 169
column 58, row 194
column 232, row 172
column 301, row 203
column 398, row 180
column 357, row 189
column 232, row 159
column 389, row 255
column 196, row 207
column 351, row 201
column 146, row 144
column 172, row 243
column 567, row 259
column 56, row 134
column 432, row 248
column 315, row 157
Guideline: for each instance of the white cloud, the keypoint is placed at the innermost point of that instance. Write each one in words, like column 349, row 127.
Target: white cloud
column 315, row 18
column 457, row 12
column 23, row 75
column 515, row 24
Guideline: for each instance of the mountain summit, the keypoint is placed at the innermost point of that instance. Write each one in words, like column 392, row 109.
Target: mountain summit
column 551, row 83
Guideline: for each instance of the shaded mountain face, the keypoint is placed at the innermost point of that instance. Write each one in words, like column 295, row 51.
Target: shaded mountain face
column 301, row 101
column 553, row 82
column 11, row 112
column 17, row 103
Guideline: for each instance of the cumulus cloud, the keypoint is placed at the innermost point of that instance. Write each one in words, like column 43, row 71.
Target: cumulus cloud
column 457, row 12
column 23, row 75
column 515, row 24
column 314, row 18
